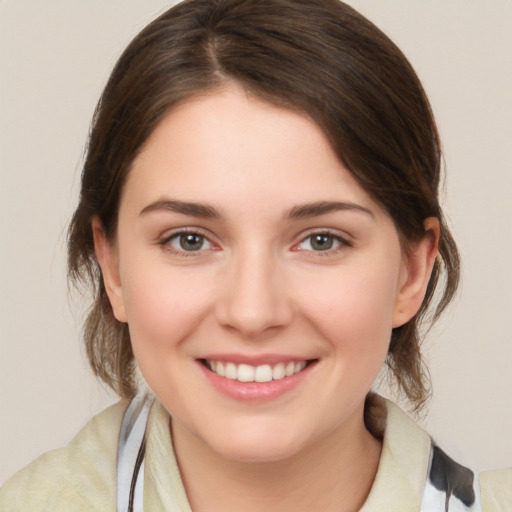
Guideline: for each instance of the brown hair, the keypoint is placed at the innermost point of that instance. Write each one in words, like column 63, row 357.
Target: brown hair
column 318, row 57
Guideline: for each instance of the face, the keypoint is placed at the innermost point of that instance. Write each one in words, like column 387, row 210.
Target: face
column 259, row 281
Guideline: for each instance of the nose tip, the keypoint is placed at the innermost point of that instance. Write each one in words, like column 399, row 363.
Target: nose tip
column 254, row 301
column 250, row 324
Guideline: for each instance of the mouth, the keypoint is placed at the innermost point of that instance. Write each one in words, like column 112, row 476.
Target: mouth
column 260, row 374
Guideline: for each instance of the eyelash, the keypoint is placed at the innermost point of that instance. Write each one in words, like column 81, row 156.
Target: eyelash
column 341, row 241
column 336, row 238
column 166, row 242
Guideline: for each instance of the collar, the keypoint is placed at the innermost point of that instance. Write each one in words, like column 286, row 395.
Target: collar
column 398, row 485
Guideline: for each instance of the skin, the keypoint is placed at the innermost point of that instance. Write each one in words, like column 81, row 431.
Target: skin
column 257, row 286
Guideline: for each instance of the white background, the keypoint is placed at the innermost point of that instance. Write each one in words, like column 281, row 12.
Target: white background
column 55, row 57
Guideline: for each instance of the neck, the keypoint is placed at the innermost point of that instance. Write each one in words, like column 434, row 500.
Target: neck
column 334, row 474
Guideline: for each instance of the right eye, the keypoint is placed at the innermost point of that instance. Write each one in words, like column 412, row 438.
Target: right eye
column 188, row 242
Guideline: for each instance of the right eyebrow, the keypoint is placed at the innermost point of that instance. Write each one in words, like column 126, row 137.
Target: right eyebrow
column 201, row 210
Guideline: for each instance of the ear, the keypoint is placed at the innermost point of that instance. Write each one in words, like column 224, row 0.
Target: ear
column 417, row 269
column 106, row 255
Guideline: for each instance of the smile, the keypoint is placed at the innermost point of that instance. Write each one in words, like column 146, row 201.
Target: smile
column 261, row 373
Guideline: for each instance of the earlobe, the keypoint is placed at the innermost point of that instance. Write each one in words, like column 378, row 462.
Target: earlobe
column 108, row 261
column 417, row 271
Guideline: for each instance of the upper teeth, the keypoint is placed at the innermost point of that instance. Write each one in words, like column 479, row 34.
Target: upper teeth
column 262, row 373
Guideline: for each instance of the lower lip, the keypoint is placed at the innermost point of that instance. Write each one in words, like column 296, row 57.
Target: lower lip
column 255, row 391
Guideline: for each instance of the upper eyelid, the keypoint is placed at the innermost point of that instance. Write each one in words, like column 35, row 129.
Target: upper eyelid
column 344, row 237
column 345, row 242
column 166, row 242
column 341, row 236
column 168, row 234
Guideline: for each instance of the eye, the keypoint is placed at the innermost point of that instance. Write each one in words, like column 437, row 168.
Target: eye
column 321, row 242
column 188, row 242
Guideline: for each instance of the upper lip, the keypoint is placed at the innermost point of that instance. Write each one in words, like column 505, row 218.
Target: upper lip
column 255, row 360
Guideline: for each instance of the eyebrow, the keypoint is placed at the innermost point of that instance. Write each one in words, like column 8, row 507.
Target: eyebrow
column 300, row 211
column 307, row 210
column 201, row 210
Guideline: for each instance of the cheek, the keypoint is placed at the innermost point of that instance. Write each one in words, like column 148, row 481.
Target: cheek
column 353, row 309
column 162, row 304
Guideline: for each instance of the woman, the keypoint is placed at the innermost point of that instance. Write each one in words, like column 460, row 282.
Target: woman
column 260, row 222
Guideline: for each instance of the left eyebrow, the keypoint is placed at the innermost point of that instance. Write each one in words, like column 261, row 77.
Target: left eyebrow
column 306, row 210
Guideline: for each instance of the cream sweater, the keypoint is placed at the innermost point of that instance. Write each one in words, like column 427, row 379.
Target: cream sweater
column 82, row 476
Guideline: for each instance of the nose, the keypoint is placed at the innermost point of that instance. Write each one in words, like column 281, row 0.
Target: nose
column 254, row 299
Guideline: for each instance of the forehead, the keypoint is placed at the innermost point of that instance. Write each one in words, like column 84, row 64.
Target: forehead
column 234, row 149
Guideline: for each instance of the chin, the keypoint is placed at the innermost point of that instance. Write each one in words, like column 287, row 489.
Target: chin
column 250, row 453
column 258, row 445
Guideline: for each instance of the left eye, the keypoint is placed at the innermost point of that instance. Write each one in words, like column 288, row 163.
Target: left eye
column 189, row 242
column 320, row 242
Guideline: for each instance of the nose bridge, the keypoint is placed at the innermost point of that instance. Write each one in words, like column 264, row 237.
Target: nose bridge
column 254, row 299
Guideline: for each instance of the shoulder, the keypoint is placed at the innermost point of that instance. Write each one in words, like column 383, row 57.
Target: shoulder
column 496, row 490
column 415, row 474
column 459, row 488
column 404, row 461
column 80, row 476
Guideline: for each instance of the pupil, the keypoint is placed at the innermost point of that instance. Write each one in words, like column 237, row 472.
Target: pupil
column 191, row 242
column 322, row 242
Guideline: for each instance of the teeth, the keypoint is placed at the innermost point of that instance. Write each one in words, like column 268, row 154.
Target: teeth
column 231, row 372
column 245, row 373
column 262, row 373
column 299, row 366
column 279, row 371
column 219, row 369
